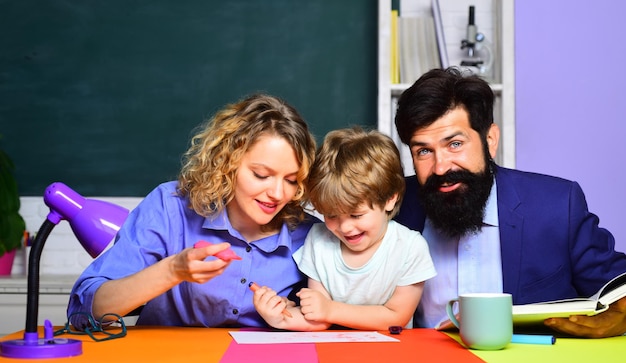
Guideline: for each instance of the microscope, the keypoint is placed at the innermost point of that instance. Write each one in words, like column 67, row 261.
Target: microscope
column 478, row 56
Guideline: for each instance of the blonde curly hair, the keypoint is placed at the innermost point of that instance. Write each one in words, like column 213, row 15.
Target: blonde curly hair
column 210, row 164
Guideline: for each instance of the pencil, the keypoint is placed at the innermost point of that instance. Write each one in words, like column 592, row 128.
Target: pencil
column 254, row 287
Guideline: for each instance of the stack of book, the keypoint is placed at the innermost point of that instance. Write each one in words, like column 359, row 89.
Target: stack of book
column 418, row 44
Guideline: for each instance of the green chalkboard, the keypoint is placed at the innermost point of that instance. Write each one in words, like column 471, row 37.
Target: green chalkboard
column 104, row 95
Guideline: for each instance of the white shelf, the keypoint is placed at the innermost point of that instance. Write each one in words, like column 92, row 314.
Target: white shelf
column 502, row 36
column 397, row 88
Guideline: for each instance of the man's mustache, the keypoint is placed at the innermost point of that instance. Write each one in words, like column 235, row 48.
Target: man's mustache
column 458, row 176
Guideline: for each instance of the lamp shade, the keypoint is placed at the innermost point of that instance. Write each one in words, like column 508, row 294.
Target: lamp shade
column 94, row 222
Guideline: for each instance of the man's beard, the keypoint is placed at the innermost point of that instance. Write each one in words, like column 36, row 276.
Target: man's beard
column 462, row 210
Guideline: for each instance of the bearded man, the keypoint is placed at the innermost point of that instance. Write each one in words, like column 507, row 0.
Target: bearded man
column 493, row 229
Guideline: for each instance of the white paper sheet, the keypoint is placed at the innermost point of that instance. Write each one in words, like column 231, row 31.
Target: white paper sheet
column 260, row 337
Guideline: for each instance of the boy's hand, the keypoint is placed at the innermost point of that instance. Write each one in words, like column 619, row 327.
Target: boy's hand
column 314, row 305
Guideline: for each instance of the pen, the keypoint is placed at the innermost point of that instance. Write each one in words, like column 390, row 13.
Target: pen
column 254, row 287
column 533, row 339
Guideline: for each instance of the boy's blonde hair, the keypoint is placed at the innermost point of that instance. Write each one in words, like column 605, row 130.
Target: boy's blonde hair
column 210, row 165
column 352, row 167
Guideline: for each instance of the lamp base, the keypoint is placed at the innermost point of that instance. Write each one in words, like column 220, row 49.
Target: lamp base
column 41, row 348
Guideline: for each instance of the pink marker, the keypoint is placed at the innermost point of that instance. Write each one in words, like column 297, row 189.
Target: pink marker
column 225, row 255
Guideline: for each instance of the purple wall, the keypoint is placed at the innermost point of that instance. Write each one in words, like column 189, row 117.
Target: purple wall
column 570, row 77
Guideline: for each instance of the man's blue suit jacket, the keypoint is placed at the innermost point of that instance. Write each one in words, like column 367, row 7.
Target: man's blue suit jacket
column 552, row 247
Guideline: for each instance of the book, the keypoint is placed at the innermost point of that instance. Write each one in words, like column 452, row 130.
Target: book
column 418, row 50
column 535, row 313
column 441, row 39
column 395, row 67
column 409, row 57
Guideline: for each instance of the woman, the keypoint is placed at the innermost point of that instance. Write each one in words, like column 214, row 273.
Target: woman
column 242, row 186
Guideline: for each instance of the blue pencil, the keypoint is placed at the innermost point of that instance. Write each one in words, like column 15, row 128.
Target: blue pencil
column 533, row 339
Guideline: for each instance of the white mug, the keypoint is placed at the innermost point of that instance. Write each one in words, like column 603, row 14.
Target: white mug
column 485, row 319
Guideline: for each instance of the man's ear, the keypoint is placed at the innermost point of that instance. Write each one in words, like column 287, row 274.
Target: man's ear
column 493, row 138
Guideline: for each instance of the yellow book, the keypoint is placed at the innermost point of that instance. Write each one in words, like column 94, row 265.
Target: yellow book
column 395, row 59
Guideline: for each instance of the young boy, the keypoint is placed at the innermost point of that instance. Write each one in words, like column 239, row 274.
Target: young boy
column 365, row 271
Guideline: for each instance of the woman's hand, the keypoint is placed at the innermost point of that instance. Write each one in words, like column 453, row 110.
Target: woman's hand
column 190, row 265
column 123, row 295
column 271, row 307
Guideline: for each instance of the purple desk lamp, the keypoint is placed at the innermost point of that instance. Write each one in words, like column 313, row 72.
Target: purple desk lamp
column 94, row 223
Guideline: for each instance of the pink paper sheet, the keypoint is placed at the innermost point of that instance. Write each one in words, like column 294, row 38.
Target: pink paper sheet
column 270, row 353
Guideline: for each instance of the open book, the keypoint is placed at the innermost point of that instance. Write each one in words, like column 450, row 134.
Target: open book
column 599, row 302
column 536, row 313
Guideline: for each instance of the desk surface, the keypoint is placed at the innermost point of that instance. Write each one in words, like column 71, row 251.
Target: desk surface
column 168, row 344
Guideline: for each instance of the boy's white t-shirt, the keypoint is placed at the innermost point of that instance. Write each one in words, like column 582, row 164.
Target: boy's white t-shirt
column 401, row 259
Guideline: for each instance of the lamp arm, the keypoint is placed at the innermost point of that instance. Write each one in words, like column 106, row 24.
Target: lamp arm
column 34, row 258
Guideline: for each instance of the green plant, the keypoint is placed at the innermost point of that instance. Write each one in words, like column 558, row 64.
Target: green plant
column 12, row 224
